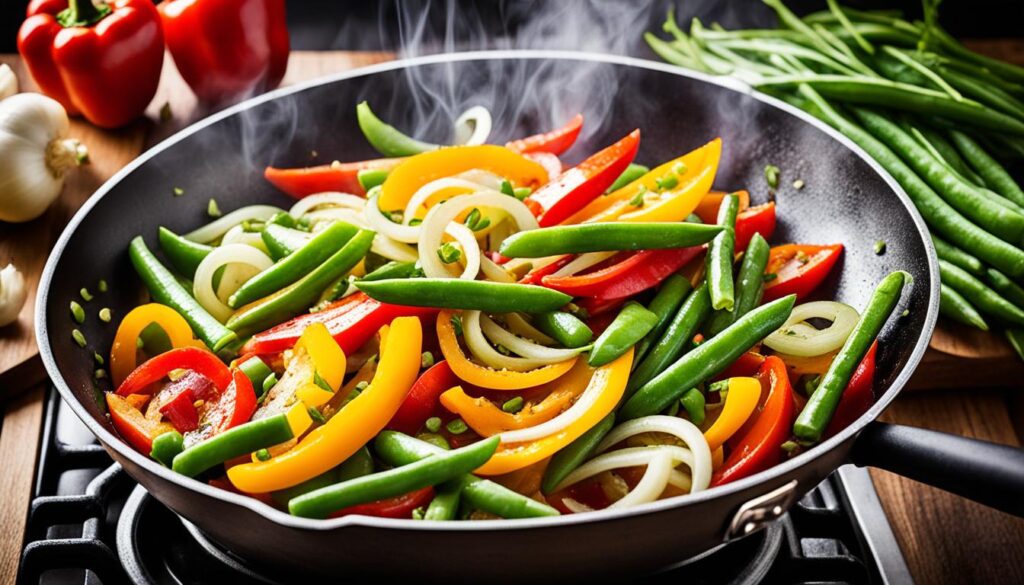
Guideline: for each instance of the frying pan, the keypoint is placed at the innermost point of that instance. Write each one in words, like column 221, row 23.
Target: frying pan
column 847, row 199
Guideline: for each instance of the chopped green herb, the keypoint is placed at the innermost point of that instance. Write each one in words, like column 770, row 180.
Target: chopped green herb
column 98, row 358
column 667, row 182
column 316, row 415
column 790, row 447
column 475, row 221
column 418, row 513
column 268, row 383
column 86, row 295
column 880, row 247
column 77, row 312
column 449, row 253
column 99, row 374
column 396, row 216
column 521, row 193
column 212, row 209
column 798, row 184
column 102, row 285
column 415, row 221
column 638, row 199
column 362, row 385
column 78, row 337
column 456, row 426
column 680, row 168
column 905, row 313
column 811, row 384
column 502, row 349
column 513, row 405
column 456, row 321
column 802, row 257
column 719, row 386
column 769, row 276
column 426, row 360
column 507, row 188
column 433, row 424
column 263, row 455
column 319, row 381
column 139, row 343
column 771, row 174
column 178, row 191
column 105, row 315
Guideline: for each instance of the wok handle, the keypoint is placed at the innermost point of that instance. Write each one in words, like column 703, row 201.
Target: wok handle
column 988, row 473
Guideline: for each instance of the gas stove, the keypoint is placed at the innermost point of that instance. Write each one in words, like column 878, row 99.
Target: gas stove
column 91, row 523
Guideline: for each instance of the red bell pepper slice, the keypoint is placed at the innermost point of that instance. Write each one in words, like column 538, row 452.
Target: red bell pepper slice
column 798, row 269
column 352, row 321
column 105, row 65
column 858, row 396
column 422, row 400
column 573, row 189
column 745, row 366
column 759, row 220
column 396, row 507
column 142, row 378
column 639, row 272
column 227, row 49
column 232, row 407
column 587, row 492
column 535, row 276
column 552, row 164
column 336, row 176
column 555, row 141
column 132, row 425
column 177, row 400
column 761, row 445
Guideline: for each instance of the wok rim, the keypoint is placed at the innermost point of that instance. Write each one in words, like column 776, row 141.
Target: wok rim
column 768, row 477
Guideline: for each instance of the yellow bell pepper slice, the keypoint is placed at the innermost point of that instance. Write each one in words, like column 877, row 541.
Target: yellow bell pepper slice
column 483, row 376
column 673, row 204
column 416, row 171
column 352, row 427
column 123, row 353
column 487, row 419
column 610, row 378
column 740, row 402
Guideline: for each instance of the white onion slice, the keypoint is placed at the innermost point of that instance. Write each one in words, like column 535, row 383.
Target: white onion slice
column 202, row 287
column 396, row 231
column 326, row 199
column 585, row 402
column 482, row 177
column 473, row 127
column 500, row 231
column 796, row 337
column 680, row 480
column 521, row 327
column 524, row 347
column 232, row 278
column 582, row 262
column 221, row 225
column 326, row 216
column 482, row 350
column 683, row 429
column 440, row 216
column 237, row 235
column 470, row 249
column 424, row 193
column 382, row 245
column 651, row 485
column 628, row 457
column 576, row 507
column 494, row 272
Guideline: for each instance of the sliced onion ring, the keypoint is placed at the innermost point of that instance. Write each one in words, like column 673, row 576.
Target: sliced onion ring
column 326, row 199
column 482, row 350
column 651, row 485
column 521, row 327
column 524, row 347
column 396, row 231
column 473, row 127
column 494, row 272
column 683, row 429
column 796, row 337
column 470, row 249
column 220, row 226
column 237, row 235
column 202, row 287
column 582, row 262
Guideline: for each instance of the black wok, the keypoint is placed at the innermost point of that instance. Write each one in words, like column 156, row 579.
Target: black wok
column 847, row 199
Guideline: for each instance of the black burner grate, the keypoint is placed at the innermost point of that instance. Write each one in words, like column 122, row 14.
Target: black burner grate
column 91, row 523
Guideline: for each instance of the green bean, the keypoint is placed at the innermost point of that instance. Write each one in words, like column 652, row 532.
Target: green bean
column 980, row 295
column 814, row 418
column 949, row 154
column 676, row 339
column 432, row 470
column 665, row 303
column 184, row 254
column 455, row 293
column 1010, row 290
column 234, row 442
column 166, row 447
column 1001, row 68
column 994, row 174
column 950, row 253
column 630, row 326
column 693, row 402
column 165, row 289
column 749, row 288
column 445, row 504
column 370, row 178
column 386, row 138
column 565, row 328
column 257, row 371
column 399, row 449
column 954, row 306
column 998, row 220
column 632, row 173
column 574, row 454
column 707, row 359
column 393, row 269
column 936, row 212
column 282, row 241
column 358, row 464
column 900, row 96
column 296, row 265
column 990, row 95
column 719, row 256
column 1016, row 339
column 605, row 237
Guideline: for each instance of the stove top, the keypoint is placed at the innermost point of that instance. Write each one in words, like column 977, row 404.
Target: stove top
column 91, row 524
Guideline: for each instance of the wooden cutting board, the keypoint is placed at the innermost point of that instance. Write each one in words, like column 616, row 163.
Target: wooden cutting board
column 989, row 358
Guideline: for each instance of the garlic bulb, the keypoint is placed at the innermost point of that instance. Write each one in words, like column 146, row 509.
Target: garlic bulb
column 12, row 294
column 34, row 155
column 8, row 81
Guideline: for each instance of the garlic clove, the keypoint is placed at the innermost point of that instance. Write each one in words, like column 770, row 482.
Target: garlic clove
column 13, row 293
column 8, row 81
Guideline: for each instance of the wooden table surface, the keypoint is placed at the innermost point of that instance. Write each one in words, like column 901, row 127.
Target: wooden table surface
column 945, row 539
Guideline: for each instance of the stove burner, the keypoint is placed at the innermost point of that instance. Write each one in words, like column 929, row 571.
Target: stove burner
column 90, row 522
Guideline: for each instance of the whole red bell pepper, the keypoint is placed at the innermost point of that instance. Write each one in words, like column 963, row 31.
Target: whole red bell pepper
column 101, row 61
column 352, row 321
column 639, row 272
column 755, row 220
column 574, row 188
column 858, row 396
column 554, row 142
column 422, row 400
column 227, row 49
column 201, row 361
column 798, row 269
column 761, row 445
column 396, row 507
column 336, row 176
